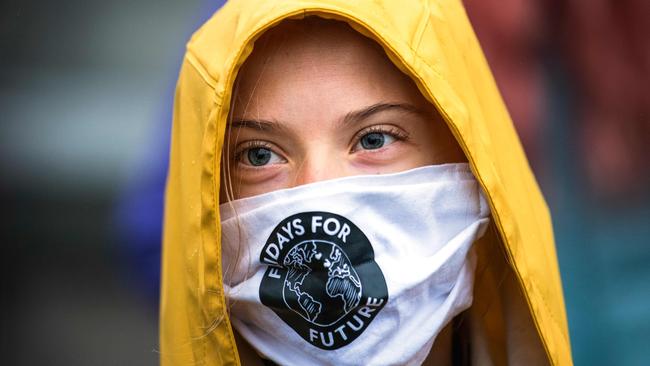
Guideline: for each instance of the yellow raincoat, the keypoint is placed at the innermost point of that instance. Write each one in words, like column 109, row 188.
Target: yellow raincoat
column 518, row 314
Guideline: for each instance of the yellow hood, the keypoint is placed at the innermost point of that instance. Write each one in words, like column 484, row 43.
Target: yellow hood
column 431, row 41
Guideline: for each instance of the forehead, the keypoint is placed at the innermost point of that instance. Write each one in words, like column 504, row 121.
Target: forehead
column 300, row 66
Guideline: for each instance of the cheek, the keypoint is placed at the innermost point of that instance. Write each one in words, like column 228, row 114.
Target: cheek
column 393, row 158
column 248, row 190
column 444, row 147
column 434, row 144
column 247, row 182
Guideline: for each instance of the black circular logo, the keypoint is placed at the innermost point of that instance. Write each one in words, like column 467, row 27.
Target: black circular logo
column 322, row 279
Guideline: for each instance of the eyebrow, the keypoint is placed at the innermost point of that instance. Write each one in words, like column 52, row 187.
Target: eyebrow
column 351, row 117
column 258, row 124
column 369, row 111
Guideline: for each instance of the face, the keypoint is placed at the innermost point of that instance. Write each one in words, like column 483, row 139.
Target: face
column 319, row 101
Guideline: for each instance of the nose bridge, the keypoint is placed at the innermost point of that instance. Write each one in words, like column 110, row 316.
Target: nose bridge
column 319, row 164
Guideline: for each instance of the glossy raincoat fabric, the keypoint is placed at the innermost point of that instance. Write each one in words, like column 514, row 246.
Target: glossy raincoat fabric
column 432, row 42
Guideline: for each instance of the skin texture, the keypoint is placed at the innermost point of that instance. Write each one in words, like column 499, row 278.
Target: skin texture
column 317, row 101
column 307, row 99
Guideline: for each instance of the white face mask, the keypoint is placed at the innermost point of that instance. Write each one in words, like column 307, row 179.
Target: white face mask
column 356, row 270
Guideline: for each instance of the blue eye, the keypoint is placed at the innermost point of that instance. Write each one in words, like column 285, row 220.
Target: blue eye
column 259, row 156
column 375, row 140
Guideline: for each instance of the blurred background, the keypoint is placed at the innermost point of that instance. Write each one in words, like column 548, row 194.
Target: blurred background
column 86, row 90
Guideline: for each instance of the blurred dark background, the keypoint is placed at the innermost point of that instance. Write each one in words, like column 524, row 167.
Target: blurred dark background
column 86, row 90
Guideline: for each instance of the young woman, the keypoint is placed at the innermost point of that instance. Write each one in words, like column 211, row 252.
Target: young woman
column 346, row 188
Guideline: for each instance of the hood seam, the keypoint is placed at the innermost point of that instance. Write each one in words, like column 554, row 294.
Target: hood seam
column 201, row 69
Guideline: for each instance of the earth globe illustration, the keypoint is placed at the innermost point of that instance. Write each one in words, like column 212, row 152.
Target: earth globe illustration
column 321, row 284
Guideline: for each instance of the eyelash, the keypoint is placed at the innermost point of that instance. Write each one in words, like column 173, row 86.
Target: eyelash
column 244, row 147
column 397, row 133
